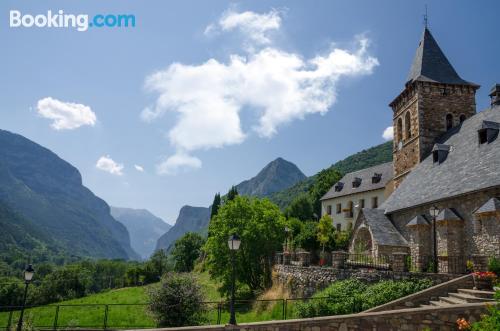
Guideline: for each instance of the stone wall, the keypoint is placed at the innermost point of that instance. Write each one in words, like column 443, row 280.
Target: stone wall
column 434, row 318
column 476, row 239
column 305, row 281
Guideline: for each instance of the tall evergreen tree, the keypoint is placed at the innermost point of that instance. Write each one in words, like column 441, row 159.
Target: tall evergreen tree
column 215, row 205
column 232, row 194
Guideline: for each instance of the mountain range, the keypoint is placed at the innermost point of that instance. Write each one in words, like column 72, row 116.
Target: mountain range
column 275, row 176
column 144, row 228
column 45, row 195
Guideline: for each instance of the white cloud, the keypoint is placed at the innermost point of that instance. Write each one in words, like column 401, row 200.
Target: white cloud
column 138, row 168
column 388, row 133
column 253, row 26
column 65, row 115
column 276, row 85
column 106, row 163
column 177, row 162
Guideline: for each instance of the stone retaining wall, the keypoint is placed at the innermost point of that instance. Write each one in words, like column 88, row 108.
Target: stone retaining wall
column 304, row 281
column 434, row 318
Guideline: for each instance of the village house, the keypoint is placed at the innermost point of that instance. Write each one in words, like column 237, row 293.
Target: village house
column 366, row 188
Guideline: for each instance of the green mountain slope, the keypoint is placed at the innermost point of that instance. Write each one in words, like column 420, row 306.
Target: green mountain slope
column 48, row 192
column 366, row 158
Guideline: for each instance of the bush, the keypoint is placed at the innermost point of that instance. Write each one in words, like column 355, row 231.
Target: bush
column 494, row 265
column 177, row 301
column 350, row 296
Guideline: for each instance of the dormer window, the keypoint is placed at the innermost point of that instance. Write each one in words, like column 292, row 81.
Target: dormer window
column 488, row 132
column 356, row 182
column 440, row 153
column 376, row 178
column 339, row 187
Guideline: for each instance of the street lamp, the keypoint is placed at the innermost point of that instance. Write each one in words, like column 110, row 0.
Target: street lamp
column 234, row 244
column 28, row 276
column 287, row 230
column 434, row 211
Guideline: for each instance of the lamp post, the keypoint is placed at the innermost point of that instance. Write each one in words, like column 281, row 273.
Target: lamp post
column 234, row 244
column 287, row 230
column 434, row 211
column 28, row 275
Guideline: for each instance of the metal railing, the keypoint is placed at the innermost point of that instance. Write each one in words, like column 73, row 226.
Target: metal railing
column 355, row 260
column 125, row 316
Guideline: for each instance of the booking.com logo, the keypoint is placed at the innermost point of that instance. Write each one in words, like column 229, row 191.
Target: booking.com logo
column 81, row 22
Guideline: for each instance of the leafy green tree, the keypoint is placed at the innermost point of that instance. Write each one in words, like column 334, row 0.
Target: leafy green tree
column 186, row 250
column 232, row 194
column 260, row 225
column 324, row 181
column 156, row 266
column 11, row 291
column 301, row 208
column 307, row 238
column 215, row 205
column 177, row 301
column 325, row 231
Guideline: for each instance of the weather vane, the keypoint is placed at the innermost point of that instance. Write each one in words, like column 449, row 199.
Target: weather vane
column 426, row 19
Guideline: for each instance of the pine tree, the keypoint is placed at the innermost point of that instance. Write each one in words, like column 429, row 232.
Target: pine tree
column 215, row 205
column 233, row 193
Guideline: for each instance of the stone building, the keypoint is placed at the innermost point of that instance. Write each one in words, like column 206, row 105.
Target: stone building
column 365, row 188
column 445, row 156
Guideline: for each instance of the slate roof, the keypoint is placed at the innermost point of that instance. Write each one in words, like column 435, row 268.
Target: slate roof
column 431, row 65
column 448, row 214
column 491, row 205
column 382, row 229
column 468, row 167
column 366, row 181
column 418, row 220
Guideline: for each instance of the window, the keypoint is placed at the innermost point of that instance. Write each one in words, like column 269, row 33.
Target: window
column 339, row 187
column 356, row 182
column 440, row 153
column 400, row 129
column 408, row 125
column 339, row 208
column 449, row 121
column 375, row 202
column 462, row 118
column 339, row 227
column 376, row 178
column 362, row 203
column 488, row 132
column 329, row 209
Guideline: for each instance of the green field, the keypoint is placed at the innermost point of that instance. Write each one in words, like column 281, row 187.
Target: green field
column 127, row 308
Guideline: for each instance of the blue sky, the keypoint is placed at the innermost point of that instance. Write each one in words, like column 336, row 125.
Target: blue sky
column 335, row 67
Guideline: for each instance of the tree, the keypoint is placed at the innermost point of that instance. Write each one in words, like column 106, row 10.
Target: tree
column 301, row 208
column 156, row 266
column 232, row 194
column 307, row 238
column 215, row 205
column 325, row 231
column 324, row 181
column 177, row 301
column 260, row 225
column 186, row 250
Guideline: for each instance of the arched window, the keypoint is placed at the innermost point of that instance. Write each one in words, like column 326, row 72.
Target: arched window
column 462, row 118
column 407, row 125
column 400, row 129
column 449, row 121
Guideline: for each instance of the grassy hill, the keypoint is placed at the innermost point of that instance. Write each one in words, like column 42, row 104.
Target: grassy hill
column 366, row 158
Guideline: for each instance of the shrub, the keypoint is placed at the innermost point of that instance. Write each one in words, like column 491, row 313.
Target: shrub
column 494, row 265
column 350, row 296
column 177, row 301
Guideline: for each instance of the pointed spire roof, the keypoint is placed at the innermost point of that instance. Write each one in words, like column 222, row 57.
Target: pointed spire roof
column 431, row 65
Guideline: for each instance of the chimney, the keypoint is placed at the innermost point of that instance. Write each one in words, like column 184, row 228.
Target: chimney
column 495, row 95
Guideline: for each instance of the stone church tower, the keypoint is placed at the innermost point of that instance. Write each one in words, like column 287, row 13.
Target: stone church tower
column 434, row 100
